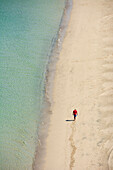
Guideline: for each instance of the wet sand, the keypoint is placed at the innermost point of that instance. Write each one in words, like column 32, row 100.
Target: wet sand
column 83, row 80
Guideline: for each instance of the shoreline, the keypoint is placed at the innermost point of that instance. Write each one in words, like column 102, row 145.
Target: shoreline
column 82, row 80
column 49, row 79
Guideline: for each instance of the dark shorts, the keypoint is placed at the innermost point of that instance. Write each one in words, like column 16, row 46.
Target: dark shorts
column 75, row 115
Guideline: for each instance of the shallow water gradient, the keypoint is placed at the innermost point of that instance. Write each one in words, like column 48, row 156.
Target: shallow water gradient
column 27, row 30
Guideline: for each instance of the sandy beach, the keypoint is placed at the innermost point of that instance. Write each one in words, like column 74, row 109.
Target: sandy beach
column 83, row 80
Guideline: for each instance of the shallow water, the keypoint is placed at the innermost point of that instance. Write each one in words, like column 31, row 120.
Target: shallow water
column 28, row 30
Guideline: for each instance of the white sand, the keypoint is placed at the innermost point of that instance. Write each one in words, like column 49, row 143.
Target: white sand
column 84, row 80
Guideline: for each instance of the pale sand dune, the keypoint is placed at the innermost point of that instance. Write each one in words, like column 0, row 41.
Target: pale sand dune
column 84, row 80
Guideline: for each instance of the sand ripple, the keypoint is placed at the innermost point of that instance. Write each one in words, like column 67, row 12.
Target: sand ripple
column 106, row 96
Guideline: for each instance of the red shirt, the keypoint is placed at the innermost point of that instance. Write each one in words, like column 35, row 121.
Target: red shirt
column 75, row 112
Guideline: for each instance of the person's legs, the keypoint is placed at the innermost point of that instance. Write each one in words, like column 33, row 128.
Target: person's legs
column 74, row 117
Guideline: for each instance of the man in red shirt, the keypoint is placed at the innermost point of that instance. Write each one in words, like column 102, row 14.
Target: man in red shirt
column 75, row 114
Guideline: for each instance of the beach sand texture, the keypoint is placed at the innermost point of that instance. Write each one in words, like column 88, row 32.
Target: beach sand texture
column 83, row 80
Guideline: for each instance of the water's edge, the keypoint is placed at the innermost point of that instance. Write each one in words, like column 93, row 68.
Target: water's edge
column 56, row 45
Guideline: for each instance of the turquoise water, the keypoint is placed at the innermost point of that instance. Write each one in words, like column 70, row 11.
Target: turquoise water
column 27, row 29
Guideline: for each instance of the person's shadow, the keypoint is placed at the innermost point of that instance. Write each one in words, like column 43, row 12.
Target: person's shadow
column 69, row 120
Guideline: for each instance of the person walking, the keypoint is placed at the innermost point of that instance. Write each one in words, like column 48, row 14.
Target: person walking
column 75, row 113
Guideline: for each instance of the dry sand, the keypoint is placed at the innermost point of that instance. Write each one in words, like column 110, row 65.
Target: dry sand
column 83, row 80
